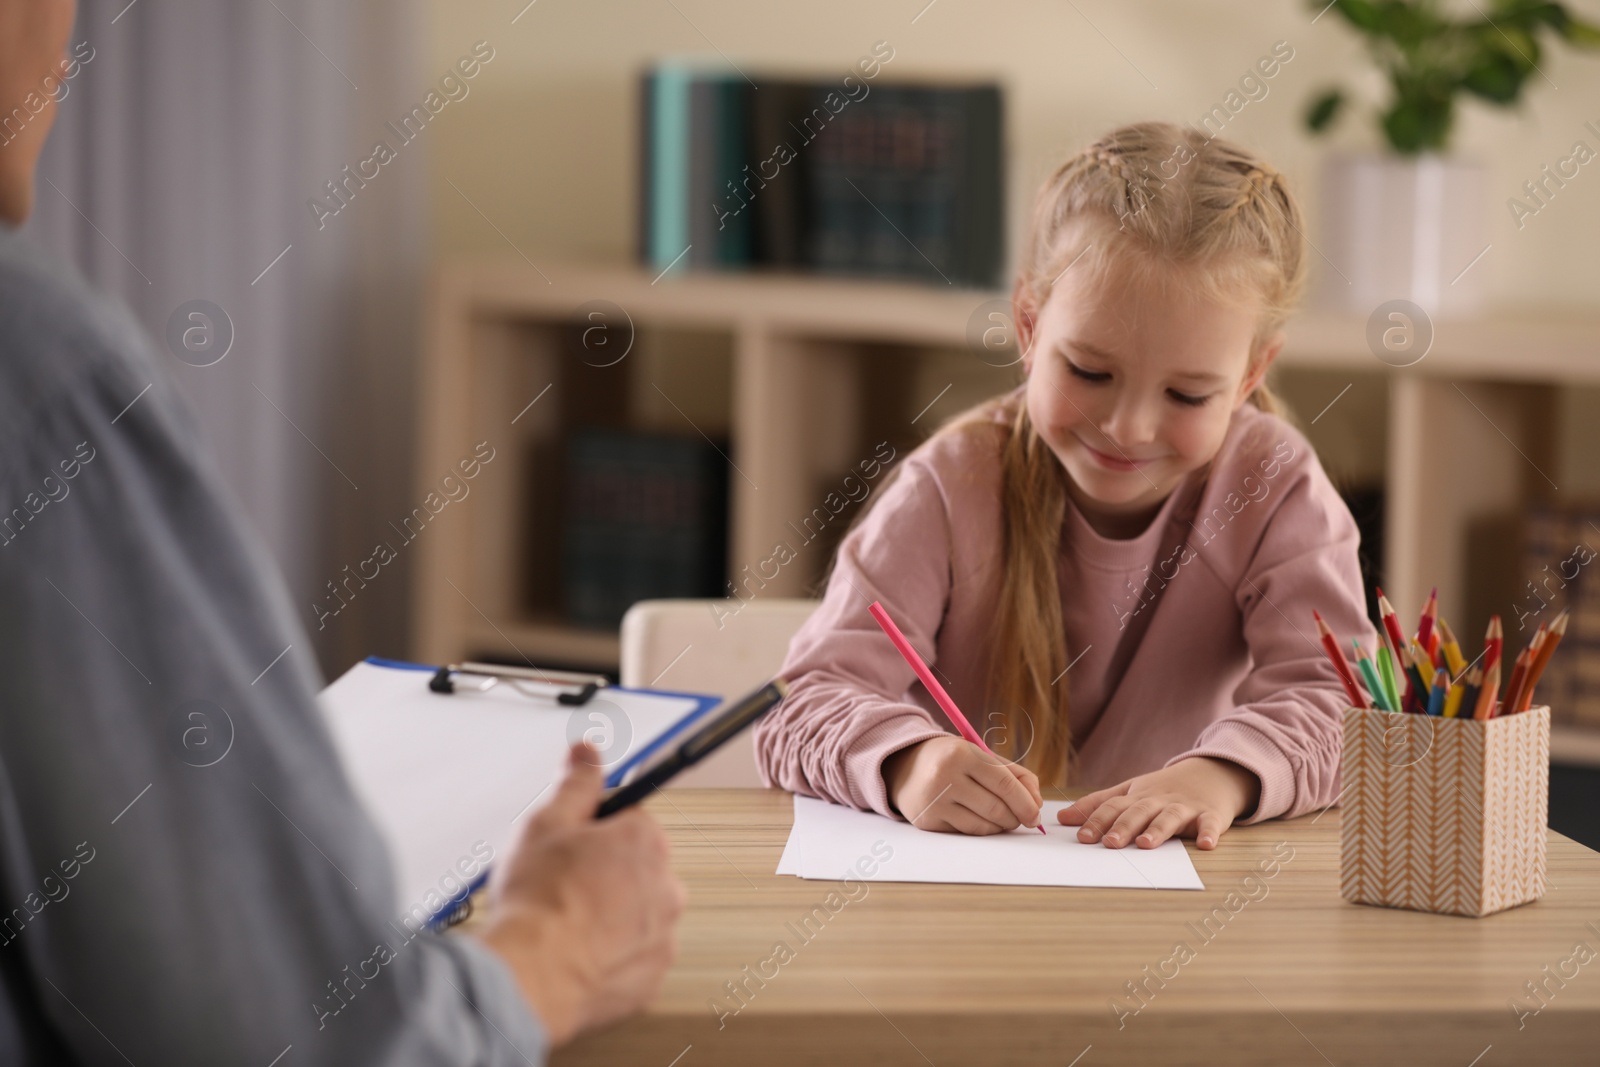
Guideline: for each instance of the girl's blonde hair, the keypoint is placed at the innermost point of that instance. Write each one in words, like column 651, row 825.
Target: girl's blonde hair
column 1144, row 198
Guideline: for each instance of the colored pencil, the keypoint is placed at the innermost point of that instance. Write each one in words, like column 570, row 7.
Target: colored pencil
column 1514, row 685
column 1330, row 644
column 1493, row 642
column 940, row 697
column 1420, row 670
column 1519, row 679
column 1552, row 638
column 1430, row 611
column 1435, row 650
column 1441, row 682
column 1391, row 628
column 1452, row 649
column 1386, row 675
column 1415, row 697
column 1453, row 697
column 1369, row 675
column 1487, row 693
column 1469, row 699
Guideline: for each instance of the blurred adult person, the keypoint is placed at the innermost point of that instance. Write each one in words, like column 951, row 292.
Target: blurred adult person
column 158, row 912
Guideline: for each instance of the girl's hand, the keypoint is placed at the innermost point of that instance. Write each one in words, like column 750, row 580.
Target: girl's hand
column 1197, row 797
column 949, row 784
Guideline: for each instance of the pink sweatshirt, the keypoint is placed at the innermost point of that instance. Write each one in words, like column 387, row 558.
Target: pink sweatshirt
column 1194, row 638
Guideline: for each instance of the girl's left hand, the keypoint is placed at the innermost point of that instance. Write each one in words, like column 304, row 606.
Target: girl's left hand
column 1197, row 797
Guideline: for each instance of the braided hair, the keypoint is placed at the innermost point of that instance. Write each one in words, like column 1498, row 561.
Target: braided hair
column 1150, row 195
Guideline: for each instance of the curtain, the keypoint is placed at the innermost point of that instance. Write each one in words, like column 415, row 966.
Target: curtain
column 182, row 168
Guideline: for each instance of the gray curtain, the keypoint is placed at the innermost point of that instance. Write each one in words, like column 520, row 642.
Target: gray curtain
column 181, row 168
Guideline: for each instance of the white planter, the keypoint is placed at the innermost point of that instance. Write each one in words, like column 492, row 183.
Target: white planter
column 1402, row 229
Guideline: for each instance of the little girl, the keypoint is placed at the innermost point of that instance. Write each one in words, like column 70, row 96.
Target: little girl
column 1133, row 525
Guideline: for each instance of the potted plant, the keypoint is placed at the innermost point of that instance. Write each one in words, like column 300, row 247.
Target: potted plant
column 1410, row 222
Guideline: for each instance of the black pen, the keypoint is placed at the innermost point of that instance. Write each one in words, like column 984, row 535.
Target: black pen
column 696, row 747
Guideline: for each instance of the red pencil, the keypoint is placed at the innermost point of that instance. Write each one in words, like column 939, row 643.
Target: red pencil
column 1331, row 645
column 1493, row 642
column 1520, row 676
column 948, row 706
column 1391, row 627
column 1430, row 611
column 1410, row 699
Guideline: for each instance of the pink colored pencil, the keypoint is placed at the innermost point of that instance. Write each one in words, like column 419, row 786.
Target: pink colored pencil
column 909, row 654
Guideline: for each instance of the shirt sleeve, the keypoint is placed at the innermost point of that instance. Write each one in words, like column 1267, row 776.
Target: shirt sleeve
column 186, row 874
column 847, row 709
column 1287, row 727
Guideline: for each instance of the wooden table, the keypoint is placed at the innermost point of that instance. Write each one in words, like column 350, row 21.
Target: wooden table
column 965, row 974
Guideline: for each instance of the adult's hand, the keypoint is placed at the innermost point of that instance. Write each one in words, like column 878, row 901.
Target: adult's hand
column 585, row 911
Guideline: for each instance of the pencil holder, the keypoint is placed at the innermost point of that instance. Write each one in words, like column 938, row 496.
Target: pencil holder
column 1444, row 815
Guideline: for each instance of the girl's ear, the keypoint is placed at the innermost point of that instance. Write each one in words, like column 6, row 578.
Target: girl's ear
column 1024, row 319
column 1260, row 365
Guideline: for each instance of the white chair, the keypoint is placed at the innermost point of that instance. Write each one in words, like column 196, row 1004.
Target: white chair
column 721, row 647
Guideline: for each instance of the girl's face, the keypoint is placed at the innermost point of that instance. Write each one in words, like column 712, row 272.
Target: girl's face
column 1132, row 386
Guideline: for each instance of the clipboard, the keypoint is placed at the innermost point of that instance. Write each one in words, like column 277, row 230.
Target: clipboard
column 449, row 777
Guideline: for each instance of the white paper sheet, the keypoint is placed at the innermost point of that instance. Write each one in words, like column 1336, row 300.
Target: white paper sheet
column 441, row 772
column 828, row 840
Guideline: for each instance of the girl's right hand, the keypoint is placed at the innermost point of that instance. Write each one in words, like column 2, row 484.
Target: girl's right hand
column 951, row 785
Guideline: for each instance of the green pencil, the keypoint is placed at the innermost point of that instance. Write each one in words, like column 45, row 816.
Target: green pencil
column 1369, row 674
column 1386, row 670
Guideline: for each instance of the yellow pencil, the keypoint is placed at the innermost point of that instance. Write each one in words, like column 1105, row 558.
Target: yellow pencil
column 1451, row 648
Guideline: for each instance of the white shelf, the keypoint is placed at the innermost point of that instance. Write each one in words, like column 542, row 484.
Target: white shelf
column 1464, row 425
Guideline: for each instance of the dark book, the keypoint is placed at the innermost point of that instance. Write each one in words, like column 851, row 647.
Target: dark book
column 719, row 224
column 905, row 183
column 899, row 181
column 644, row 517
column 775, row 185
column 647, row 126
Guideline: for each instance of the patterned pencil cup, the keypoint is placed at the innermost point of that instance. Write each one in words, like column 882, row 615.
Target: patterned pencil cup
column 1444, row 815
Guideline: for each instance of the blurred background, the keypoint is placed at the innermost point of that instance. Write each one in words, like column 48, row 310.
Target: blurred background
column 503, row 316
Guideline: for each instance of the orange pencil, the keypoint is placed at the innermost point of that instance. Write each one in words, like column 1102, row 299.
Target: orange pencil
column 1552, row 638
column 1487, row 694
column 1519, row 670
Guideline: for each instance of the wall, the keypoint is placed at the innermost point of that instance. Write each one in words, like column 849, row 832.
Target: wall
column 545, row 146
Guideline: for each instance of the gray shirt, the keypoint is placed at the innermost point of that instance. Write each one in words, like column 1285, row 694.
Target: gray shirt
column 185, row 874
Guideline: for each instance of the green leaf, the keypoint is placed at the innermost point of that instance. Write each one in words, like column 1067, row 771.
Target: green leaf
column 1418, row 124
column 1519, row 46
column 1409, row 25
column 1362, row 14
column 1496, row 77
column 1323, row 110
column 1582, row 34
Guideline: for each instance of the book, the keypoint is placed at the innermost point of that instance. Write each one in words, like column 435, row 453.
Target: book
column 901, row 181
column 906, row 184
column 644, row 517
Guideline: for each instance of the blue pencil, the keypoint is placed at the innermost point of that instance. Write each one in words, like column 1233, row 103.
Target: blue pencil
column 1441, row 685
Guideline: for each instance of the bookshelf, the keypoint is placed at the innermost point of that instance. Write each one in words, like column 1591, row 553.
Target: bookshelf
column 799, row 379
